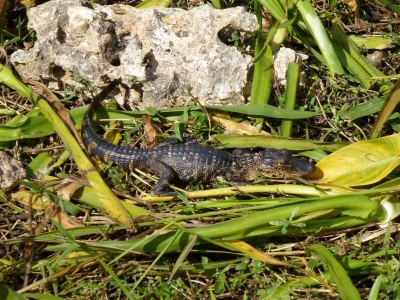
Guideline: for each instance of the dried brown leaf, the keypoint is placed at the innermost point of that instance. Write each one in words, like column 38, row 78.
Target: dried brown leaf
column 237, row 128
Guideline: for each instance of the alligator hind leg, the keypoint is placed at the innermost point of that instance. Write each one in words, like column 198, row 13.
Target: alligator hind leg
column 166, row 175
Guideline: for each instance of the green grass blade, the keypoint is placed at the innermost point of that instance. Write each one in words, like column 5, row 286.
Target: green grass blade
column 389, row 4
column 55, row 236
column 290, row 96
column 217, row 4
column 391, row 102
column 275, row 9
column 318, row 31
column 7, row 112
column 116, row 279
column 242, row 141
column 176, row 237
column 373, row 42
column 374, row 294
column 349, row 46
column 265, row 110
column 345, row 287
column 153, row 3
column 352, row 268
column 182, row 256
column 41, row 296
column 263, row 73
column 353, row 66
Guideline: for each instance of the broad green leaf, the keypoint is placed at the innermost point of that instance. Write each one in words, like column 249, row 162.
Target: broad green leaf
column 361, row 163
column 363, row 109
column 32, row 127
column 178, row 113
column 18, row 120
column 345, row 287
column 39, row 166
column 360, row 208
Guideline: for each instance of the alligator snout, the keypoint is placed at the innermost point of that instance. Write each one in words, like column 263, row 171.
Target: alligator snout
column 300, row 167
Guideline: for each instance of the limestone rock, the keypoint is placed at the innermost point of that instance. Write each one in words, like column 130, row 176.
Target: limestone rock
column 11, row 170
column 281, row 62
column 163, row 54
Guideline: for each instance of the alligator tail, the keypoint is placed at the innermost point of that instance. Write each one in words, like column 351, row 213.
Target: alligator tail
column 100, row 97
column 95, row 145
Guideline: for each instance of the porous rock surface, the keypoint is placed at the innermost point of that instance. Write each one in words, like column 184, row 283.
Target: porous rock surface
column 11, row 170
column 161, row 55
column 281, row 62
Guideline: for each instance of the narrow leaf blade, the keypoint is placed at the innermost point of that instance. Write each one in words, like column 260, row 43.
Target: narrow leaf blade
column 345, row 287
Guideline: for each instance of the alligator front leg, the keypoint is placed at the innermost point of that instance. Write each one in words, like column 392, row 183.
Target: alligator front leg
column 166, row 176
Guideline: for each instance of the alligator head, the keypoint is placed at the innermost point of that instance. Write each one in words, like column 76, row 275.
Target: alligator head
column 269, row 163
column 274, row 163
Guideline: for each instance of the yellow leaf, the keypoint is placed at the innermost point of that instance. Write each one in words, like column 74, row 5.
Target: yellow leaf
column 352, row 4
column 66, row 221
column 245, row 248
column 237, row 128
column 67, row 189
column 361, row 163
column 38, row 202
column 28, row 3
column 41, row 202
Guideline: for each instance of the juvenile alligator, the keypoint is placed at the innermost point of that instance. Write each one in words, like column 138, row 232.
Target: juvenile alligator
column 187, row 162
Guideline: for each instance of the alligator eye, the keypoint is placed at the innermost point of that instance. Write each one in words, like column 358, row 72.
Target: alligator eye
column 286, row 152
